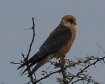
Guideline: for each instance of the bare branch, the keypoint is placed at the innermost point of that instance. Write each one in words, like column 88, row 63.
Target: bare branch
column 47, row 76
column 33, row 28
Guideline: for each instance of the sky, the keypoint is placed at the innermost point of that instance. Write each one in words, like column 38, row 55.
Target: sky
column 16, row 15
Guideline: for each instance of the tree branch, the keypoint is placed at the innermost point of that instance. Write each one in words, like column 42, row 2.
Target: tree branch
column 47, row 76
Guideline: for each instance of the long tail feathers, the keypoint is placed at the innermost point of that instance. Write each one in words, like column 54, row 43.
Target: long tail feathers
column 28, row 67
column 41, row 63
column 33, row 60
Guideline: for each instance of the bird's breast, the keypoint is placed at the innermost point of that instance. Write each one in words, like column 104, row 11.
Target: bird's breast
column 65, row 48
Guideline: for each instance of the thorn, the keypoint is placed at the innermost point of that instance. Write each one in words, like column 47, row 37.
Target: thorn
column 27, row 28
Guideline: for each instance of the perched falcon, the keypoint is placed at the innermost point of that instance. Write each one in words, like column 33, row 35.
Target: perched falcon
column 56, row 45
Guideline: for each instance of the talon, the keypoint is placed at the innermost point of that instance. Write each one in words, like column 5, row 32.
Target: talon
column 62, row 60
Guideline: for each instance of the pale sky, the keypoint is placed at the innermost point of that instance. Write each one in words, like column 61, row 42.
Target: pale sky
column 15, row 16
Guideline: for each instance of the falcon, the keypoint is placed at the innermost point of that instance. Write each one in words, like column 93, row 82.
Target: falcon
column 56, row 45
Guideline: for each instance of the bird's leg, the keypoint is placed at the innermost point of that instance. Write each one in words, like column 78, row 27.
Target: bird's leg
column 62, row 63
column 62, row 60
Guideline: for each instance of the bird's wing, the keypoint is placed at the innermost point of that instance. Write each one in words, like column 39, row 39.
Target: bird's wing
column 56, row 40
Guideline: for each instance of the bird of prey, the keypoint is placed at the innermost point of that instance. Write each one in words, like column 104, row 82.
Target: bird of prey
column 56, row 45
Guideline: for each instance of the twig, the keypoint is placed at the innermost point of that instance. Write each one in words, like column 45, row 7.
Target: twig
column 77, row 75
column 29, row 70
column 47, row 76
column 33, row 28
column 64, row 74
column 101, row 48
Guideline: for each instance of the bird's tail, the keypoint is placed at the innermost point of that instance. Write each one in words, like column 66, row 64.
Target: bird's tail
column 33, row 60
column 41, row 63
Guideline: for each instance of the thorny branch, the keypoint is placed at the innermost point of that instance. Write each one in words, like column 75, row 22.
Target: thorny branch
column 26, row 58
column 63, row 74
column 78, row 75
column 58, row 71
column 86, row 67
column 33, row 28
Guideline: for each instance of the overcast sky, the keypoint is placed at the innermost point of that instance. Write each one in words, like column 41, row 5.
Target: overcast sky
column 15, row 16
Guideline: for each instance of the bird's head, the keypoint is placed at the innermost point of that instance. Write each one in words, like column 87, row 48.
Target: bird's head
column 68, row 21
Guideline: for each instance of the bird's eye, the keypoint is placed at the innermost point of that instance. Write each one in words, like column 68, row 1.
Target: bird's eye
column 70, row 20
column 75, row 23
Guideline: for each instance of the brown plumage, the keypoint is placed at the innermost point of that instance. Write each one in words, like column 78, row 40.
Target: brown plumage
column 56, row 45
